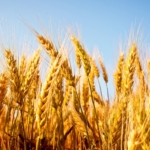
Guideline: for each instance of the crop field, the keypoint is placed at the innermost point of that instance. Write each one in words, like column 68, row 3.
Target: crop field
column 65, row 110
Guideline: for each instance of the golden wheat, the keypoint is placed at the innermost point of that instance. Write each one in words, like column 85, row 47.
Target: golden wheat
column 65, row 110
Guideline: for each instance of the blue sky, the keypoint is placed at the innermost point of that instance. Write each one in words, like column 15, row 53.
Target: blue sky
column 102, row 24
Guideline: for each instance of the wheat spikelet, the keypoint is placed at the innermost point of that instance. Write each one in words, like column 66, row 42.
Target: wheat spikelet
column 67, row 94
column 140, row 74
column 129, row 70
column 57, row 90
column 13, row 71
column 92, row 84
column 143, row 91
column 105, row 76
column 48, row 45
column 138, row 65
column 94, row 73
column 91, row 79
column 83, row 55
column 95, row 68
column 67, row 73
column 136, row 106
column 84, row 97
column 35, row 86
column 22, row 67
column 78, row 60
column 118, row 74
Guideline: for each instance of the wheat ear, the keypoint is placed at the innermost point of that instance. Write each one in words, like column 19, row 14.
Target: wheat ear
column 83, row 55
column 48, row 45
column 33, row 66
column 118, row 74
column 129, row 70
column 41, row 115
column 12, row 71
column 104, row 72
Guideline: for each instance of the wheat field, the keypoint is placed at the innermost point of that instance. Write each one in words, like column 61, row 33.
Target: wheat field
column 65, row 111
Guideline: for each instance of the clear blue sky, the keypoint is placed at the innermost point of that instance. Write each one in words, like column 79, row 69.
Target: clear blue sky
column 101, row 23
